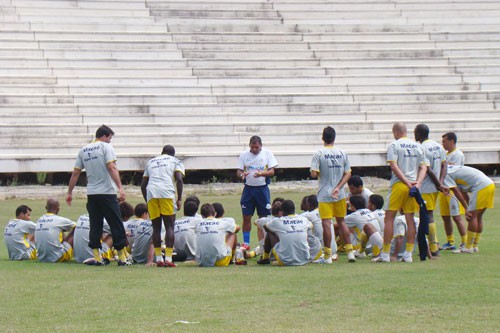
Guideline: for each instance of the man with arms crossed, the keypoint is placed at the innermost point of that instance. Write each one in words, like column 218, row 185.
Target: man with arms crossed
column 19, row 235
column 99, row 160
column 159, row 192
column 407, row 162
column 255, row 167
column 332, row 168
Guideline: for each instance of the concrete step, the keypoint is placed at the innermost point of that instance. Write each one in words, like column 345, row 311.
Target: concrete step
column 91, row 19
column 106, row 45
column 221, row 46
column 23, row 88
column 236, row 54
column 16, row 35
column 16, row 52
column 252, row 63
column 220, row 22
column 388, row 27
column 81, row 12
column 101, row 27
column 118, row 73
column 214, row 13
column 114, row 54
column 73, row 4
column 210, row 5
column 114, row 64
column 264, row 72
column 103, row 36
column 16, row 44
column 16, row 80
column 96, row 81
column 237, row 37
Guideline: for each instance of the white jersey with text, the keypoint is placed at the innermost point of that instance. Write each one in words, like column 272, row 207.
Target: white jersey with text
column 15, row 236
column 435, row 156
column 408, row 155
column 160, row 172
column 185, row 235
column 331, row 163
column 49, row 234
column 81, row 239
column 211, row 240
column 251, row 163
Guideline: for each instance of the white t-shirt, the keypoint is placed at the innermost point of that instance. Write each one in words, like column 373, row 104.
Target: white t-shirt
column 160, row 172
column 211, row 240
column 251, row 163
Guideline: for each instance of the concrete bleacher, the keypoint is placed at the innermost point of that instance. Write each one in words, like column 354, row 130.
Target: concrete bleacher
column 205, row 75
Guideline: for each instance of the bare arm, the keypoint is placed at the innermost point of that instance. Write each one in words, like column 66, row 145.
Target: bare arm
column 180, row 186
column 267, row 173
column 144, row 186
column 462, row 197
column 397, row 171
column 422, row 171
column 115, row 175
column 72, row 182
column 336, row 190
column 241, row 174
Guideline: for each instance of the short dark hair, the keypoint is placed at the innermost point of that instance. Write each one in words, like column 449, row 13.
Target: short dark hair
column 190, row 208
column 355, row 180
column 278, row 199
column 194, row 199
column 423, row 131
column 303, row 203
column 276, row 208
column 288, row 207
column 357, row 201
column 140, row 209
column 450, row 136
column 256, row 139
column 312, row 202
column 126, row 210
column 169, row 150
column 377, row 200
column 23, row 209
column 104, row 130
column 219, row 209
column 328, row 135
column 207, row 210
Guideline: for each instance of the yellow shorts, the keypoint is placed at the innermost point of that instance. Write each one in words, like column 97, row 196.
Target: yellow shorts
column 160, row 207
column 68, row 254
column 482, row 199
column 430, row 200
column 328, row 210
column 399, row 198
column 223, row 262
column 445, row 204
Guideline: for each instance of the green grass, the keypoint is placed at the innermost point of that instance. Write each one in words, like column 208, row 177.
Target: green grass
column 454, row 293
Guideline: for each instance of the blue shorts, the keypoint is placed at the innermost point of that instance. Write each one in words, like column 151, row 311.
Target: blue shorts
column 256, row 196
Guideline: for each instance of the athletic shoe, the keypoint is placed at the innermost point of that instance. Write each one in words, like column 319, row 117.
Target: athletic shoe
column 448, row 246
column 407, row 259
column 93, row 262
column 476, row 249
column 240, row 262
column 321, row 260
column 165, row 263
column 460, row 248
column 335, row 256
column 436, row 254
column 383, row 257
column 245, row 246
column 466, row 250
column 351, row 257
column 124, row 263
column 360, row 255
column 263, row 261
column 258, row 251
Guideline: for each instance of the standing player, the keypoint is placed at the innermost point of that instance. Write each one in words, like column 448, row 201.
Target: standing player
column 50, row 242
column 481, row 197
column 215, row 239
column 431, row 186
column 407, row 162
column 82, row 252
column 255, row 167
column 19, row 235
column 332, row 168
column 449, row 205
column 159, row 192
column 99, row 160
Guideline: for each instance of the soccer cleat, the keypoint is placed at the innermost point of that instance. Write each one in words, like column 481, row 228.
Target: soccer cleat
column 436, row 254
column 165, row 263
column 335, row 256
column 383, row 257
column 351, row 257
column 476, row 249
column 263, row 261
column 448, row 246
column 360, row 255
column 466, row 250
column 93, row 262
column 124, row 263
column 239, row 262
column 407, row 258
column 460, row 248
column 245, row 246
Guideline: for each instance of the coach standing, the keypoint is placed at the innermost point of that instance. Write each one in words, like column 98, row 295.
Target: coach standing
column 99, row 161
column 255, row 167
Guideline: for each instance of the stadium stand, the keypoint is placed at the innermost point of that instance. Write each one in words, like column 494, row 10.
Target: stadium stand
column 205, row 75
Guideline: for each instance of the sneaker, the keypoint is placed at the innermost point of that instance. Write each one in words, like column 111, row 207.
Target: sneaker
column 460, row 248
column 466, row 250
column 165, row 263
column 381, row 259
column 407, row 258
column 245, row 246
column 258, row 251
column 321, row 260
column 476, row 249
column 360, row 255
column 335, row 256
column 263, row 261
column 436, row 254
column 93, row 262
column 240, row 262
column 448, row 246
column 351, row 257
column 124, row 263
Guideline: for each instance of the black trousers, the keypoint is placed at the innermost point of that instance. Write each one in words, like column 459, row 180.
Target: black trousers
column 100, row 207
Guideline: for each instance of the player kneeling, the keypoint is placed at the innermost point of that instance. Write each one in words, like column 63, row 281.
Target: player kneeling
column 287, row 238
column 215, row 239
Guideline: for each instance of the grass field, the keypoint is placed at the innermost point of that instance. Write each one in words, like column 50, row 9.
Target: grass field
column 453, row 293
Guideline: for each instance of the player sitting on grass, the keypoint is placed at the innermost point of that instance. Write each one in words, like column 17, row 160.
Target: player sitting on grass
column 19, row 235
column 364, row 223
column 184, row 229
column 82, row 251
column 376, row 205
column 400, row 238
column 51, row 244
column 142, row 247
column 215, row 239
column 287, row 238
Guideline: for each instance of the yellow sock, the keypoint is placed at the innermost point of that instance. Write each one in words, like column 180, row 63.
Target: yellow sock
column 328, row 252
column 169, row 251
column 97, row 255
column 122, row 256
column 477, row 238
column 265, row 255
column 158, row 251
column 470, row 239
column 375, row 251
column 463, row 239
column 386, row 248
column 348, row 248
column 409, row 247
column 450, row 239
column 433, row 237
column 363, row 241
